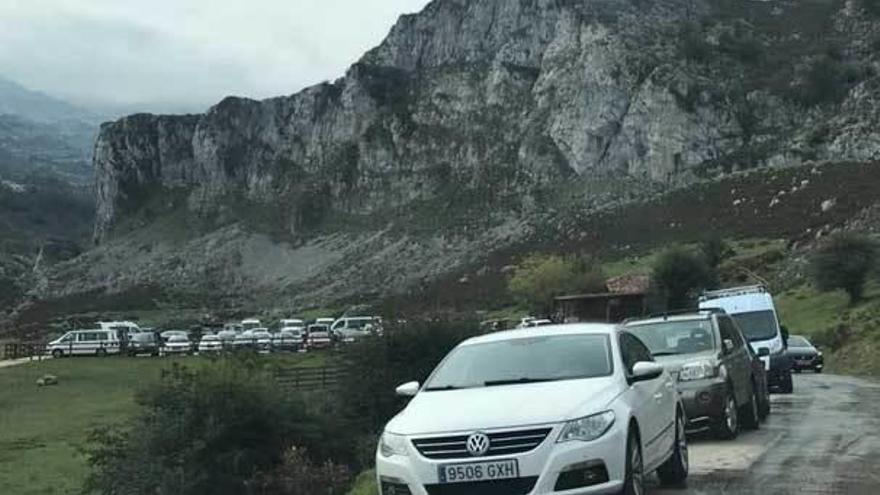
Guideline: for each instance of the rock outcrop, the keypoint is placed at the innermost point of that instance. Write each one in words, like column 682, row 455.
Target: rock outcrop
column 492, row 104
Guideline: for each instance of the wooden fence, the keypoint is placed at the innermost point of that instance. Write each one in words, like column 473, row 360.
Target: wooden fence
column 19, row 350
column 311, row 378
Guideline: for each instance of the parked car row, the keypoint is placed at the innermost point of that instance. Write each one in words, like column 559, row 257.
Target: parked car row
column 589, row 408
column 293, row 335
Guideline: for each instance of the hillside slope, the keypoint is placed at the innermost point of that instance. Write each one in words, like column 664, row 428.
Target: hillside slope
column 465, row 134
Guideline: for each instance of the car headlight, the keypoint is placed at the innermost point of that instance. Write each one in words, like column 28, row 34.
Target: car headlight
column 587, row 429
column 699, row 370
column 392, row 444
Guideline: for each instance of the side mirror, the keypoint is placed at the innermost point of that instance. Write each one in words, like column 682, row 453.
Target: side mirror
column 645, row 371
column 728, row 345
column 763, row 352
column 408, row 389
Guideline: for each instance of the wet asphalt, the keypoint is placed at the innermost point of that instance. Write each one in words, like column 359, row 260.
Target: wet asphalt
column 823, row 439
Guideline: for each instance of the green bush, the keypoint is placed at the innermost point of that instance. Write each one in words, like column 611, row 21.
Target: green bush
column 299, row 475
column 540, row 278
column 715, row 250
column 845, row 261
column 219, row 429
column 679, row 274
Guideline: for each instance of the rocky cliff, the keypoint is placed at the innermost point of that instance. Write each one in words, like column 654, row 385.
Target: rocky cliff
column 489, row 108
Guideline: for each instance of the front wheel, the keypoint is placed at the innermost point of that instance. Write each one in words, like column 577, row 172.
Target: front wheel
column 101, row 352
column 787, row 386
column 818, row 370
column 727, row 426
column 634, row 482
column 674, row 471
column 57, row 353
column 751, row 418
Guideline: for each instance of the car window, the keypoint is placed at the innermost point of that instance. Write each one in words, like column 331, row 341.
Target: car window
column 729, row 332
column 632, row 351
column 757, row 325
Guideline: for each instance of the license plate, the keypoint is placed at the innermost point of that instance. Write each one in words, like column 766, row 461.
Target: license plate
column 479, row 471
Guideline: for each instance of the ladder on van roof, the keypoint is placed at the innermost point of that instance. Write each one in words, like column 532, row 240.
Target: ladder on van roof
column 732, row 292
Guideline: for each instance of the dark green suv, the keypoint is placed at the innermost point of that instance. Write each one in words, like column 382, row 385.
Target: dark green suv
column 143, row 343
column 722, row 382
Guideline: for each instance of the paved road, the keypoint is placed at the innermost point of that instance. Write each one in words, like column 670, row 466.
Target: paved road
column 823, row 439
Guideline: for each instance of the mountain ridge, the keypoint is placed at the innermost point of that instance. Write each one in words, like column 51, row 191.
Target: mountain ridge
column 465, row 131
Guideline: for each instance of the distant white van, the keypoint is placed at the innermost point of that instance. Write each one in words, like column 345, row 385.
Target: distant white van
column 125, row 327
column 85, row 342
column 251, row 324
column 352, row 328
column 753, row 310
column 292, row 323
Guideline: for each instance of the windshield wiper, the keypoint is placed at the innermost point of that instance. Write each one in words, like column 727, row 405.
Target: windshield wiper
column 666, row 353
column 445, row 387
column 517, row 381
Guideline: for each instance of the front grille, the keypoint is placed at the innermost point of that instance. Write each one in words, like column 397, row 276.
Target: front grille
column 506, row 443
column 516, row 486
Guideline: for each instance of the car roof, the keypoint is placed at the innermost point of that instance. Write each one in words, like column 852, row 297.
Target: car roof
column 544, row 331
column 696, row 315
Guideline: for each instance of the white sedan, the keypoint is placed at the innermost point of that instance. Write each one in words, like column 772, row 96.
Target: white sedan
column 210, row 344
column 177, row 345
column 579, row 409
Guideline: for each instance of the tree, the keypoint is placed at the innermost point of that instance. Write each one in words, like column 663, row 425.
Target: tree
column 679, row 274
column 715, row 250
column 540, row 278
column 845, row 261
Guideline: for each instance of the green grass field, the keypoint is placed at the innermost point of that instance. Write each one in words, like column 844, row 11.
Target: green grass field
column 42, row 429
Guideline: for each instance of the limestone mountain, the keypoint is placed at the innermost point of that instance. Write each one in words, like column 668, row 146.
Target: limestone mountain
column 468, row 127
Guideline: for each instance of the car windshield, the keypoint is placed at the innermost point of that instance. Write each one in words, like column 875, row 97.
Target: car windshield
column 757, row 325
column 798, row 342
column 210, row 338
column 526, row 360
column 177, row 338
column 667, row 338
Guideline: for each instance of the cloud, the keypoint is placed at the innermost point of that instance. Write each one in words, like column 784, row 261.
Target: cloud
column 186, row 51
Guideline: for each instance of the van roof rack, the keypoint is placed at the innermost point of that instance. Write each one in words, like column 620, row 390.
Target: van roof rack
column 733, row 291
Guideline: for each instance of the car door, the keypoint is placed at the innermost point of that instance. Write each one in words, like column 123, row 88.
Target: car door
column 651, row 401
column 736, row 359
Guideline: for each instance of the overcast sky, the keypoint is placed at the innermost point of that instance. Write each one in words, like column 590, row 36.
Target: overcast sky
column 187, row 52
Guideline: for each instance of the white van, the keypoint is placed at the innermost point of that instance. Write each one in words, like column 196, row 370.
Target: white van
column 349, row 329
column 126, row 327
column 754, row 312
column 251, row 324
column 85, row 342
column 291, row 323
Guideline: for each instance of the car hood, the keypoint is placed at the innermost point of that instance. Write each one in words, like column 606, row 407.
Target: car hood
column 504, row 406
column 674, row 363
column 802, row 351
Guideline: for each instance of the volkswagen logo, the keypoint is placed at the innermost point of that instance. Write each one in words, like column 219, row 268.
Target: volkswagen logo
column 478, row 444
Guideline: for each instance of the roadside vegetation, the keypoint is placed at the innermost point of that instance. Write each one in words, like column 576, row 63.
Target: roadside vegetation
column 540, row 278
column 193, row 425
column 845, row 261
